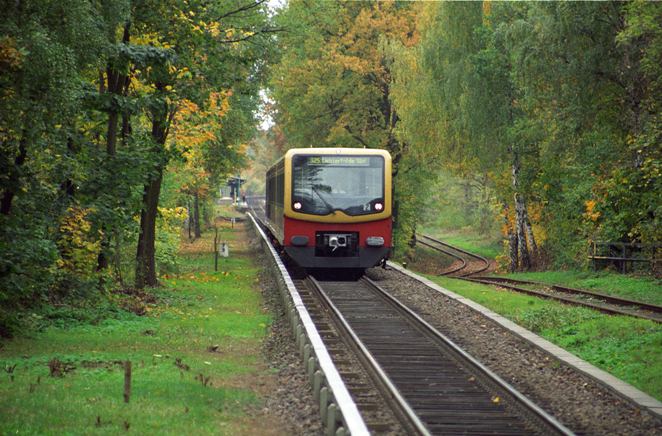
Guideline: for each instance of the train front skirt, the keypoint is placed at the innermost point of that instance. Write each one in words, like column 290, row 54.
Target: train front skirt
column 366, row 257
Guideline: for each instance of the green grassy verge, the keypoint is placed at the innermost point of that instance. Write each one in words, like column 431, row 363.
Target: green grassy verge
column 644, row 289
column 628, row 348
column 228, row 211
column 195, row 356
column 471, row 242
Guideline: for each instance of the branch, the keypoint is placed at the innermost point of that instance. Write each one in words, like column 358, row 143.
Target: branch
column 357, row 137
column 241, row 9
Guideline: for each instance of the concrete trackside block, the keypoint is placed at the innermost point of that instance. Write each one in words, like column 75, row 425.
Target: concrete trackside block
column 306, row 352
column 324, row 402
column 310, row 368
column 331, row 420
column 302, row 345
column 621, row 388
column 318, row 380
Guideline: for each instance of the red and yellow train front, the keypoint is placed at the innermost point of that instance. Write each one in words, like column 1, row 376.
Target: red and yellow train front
column 337, row 207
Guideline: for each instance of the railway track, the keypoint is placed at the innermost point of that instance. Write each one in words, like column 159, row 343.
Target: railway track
column 431, row 385
column 600, row 301
column 596, row 300
column 466, row 263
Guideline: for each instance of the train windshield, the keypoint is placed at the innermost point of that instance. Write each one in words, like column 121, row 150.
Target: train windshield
column 352, row 184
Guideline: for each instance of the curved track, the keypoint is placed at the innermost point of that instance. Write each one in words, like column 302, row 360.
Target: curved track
column 469, row 263
column 436, row 387
column 579, row 297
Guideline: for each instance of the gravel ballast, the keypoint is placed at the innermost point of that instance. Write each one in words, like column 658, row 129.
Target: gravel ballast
column 293, row 400
column 576, row 400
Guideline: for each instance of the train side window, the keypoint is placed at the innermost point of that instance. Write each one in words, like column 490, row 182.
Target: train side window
column 280, row 196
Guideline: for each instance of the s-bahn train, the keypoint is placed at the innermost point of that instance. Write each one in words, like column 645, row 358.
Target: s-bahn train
column 330, row 208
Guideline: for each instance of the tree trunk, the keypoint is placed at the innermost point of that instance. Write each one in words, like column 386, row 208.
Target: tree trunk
column 189, row 220
column 14, row 177
column 118, row 258
column 520, row 216
column 196, row 215
column 520, row 213
column 116, row 87
column 531, row 238
column 466, row 188
column 512, row 239
column 146, row 253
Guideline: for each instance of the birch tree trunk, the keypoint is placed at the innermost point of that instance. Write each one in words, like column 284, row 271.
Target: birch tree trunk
column 533, row 246
column 520, row 216
column 512, row 240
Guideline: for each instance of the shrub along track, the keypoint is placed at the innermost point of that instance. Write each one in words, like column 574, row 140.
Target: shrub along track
column 468, row 265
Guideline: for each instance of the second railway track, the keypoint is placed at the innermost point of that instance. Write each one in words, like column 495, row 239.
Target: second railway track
column 579, row 297
column 467, row 263
column 432, row 384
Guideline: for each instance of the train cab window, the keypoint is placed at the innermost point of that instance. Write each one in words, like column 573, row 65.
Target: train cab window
column 352, row 184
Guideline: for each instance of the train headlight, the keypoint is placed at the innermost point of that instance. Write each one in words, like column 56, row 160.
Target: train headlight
column 374, row 241
column 297, row 205
column 379, row 206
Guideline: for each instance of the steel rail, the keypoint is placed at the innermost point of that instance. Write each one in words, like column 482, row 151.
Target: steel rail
column 447, row 392
column 546, row 418
column 460, row 250
column 610, row 298
column 391, row 391
column 503, row 282
column 463, row 263
column 567, row 300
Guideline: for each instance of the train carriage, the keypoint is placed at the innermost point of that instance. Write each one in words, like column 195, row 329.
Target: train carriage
column 330, row 208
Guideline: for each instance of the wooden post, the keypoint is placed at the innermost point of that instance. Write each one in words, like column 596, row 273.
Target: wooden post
column 127, row 381
column 215, row 248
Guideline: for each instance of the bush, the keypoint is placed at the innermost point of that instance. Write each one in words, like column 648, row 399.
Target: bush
column 554, row 317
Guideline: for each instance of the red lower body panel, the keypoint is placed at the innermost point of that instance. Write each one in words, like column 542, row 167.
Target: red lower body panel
column 316, row 253
column 381, row 228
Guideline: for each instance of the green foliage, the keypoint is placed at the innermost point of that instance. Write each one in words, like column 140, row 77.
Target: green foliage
column 87, row 95
column 333, row 83
column 567, row 92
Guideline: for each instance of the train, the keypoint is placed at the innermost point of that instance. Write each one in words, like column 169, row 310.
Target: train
column 331, row 208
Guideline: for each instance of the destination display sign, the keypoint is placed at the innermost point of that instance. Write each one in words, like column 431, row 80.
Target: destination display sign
column 347, row 161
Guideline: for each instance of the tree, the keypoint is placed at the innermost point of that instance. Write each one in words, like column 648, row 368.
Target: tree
column 332, row 85
column 202, row 51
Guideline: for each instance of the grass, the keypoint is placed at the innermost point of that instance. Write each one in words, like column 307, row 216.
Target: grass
column 646, row 289
column 628, row 348
column 228, row 211
column 213, row 322
column 479, row 244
